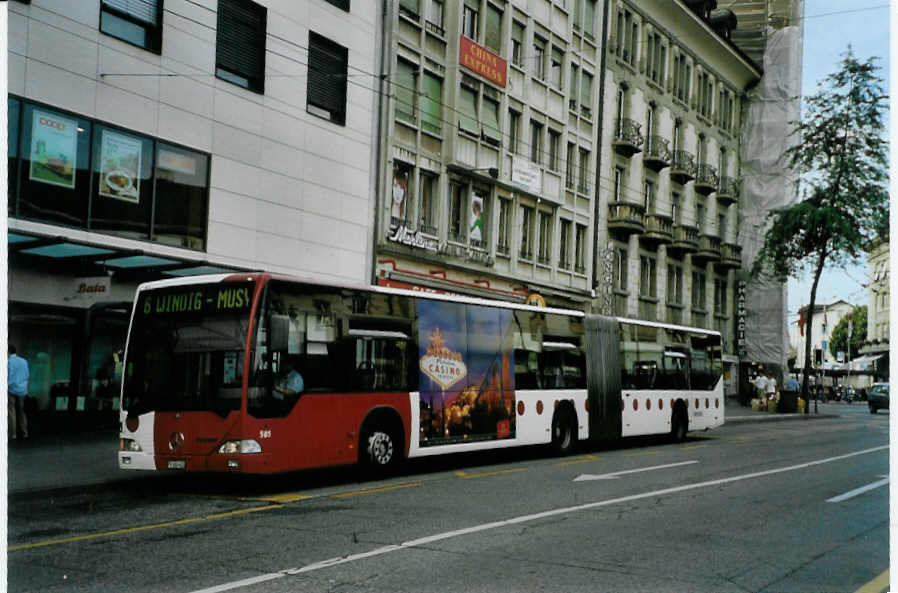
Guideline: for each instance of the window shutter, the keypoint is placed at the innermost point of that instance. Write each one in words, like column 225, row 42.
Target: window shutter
column 146, row 11
column 405, row 91
column 493, row 37
column 491, row 120
column 430, row 105
column 240, row 45
column 327, row 76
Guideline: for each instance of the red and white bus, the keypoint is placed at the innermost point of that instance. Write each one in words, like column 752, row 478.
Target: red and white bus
column 389, row 374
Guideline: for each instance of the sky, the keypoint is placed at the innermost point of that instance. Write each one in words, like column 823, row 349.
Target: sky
column 830, row 26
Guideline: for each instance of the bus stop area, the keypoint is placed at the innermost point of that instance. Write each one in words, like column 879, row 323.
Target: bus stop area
column 62, row 461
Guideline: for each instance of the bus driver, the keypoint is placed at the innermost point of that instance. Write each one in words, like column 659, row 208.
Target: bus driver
column 291, row 382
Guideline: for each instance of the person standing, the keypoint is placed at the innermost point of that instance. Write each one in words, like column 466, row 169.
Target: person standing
column 17, row 376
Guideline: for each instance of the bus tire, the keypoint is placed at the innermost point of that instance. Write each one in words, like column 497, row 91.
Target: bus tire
column 679, row 423
column 380, row 448
column 564, row 431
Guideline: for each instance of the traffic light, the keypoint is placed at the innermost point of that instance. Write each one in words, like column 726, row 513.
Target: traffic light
column 818, row 357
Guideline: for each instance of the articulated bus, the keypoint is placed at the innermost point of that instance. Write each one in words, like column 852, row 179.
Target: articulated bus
column 389, row 374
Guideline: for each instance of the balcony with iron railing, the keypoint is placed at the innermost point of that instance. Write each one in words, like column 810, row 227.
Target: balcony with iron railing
column 658, row 229
column 657, row 153
column 728, row 191
column 708, row 249
column 628, row 139
column 625, row 218
column 682, row 167
column 730, row 256
column 706, row 179
column 685, row 240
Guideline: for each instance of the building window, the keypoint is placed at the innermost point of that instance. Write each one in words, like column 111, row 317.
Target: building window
column 341, row 4
column 434, row 17
column 674, row 284
column 586, row 93
column 526, row 251
column 682, row 77
column 572, row 84
column 539, row 57
column 490, row 131
column 720, row 297
column 240, row 44
column 400, row 202
column 469, row 19
column 699, row 213
column 410, row 8
column 571, row 171
column 583, row 184
column 554, row 141
column 536, row 139
column 564, row 242
column 517, row 44
column 493, row 36
column 115, row 209
column 514, row 131
column 698, row 291
column 456, row 204
column 326, row 86
column 619, row 274
column 675, row 207
column 477, row 228
column 502, row 246
column 431, row 102
column 555, row 67
column 655, row 57
column 467, row 111
column 647, row 277
column 427, row 206
column 137, row 23
column 589, row 19
column 545, row 238
column 405, row 88
column 580, row 250
column 649, row 197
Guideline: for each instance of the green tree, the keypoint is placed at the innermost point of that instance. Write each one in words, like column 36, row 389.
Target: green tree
column 838, row 339
column 842, row 158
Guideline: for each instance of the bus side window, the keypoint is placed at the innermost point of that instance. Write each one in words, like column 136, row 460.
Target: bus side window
column 526, row 370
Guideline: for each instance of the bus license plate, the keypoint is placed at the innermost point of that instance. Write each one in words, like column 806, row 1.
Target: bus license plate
column 177, row 464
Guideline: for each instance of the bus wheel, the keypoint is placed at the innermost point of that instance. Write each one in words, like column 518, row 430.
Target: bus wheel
column 380, row 450
column 564, row 432
column 679, row 425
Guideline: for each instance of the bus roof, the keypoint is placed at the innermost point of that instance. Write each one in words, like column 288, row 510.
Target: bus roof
column 265, row 276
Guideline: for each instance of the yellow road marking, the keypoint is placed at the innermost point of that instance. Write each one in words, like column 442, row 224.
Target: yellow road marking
column 641, row 453
column 467, row 476
column 583, row 459
column 288, row 497
column 375, row 490
column 80, row 538
column 737, row 440
column 691, row 447
column 877, row 585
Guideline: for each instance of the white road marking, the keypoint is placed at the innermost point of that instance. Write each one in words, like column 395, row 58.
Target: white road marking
column 858, row 491
column 521, row 519
column 615, row 475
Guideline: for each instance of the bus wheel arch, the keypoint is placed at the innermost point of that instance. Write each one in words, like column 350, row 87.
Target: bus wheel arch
column 679, row 421
column 381, row 441
column 564, row 428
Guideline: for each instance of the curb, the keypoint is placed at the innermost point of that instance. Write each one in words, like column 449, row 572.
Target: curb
column 775, row 418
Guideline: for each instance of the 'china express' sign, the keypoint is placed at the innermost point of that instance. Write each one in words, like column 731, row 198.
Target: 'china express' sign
column 482, row 61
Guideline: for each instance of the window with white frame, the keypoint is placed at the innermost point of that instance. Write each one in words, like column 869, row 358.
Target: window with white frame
column 526, row 250
column 539, row 57
column 580, row 249
column 545, row 237
column 647, row 276
column 619, row 273
column 674, row 284
column 427, row 204
column 469, row 19
column 504, row 230
column 564, row 243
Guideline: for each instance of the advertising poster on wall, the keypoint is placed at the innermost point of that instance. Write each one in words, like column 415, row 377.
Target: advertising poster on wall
column 466, row 362
column 476, row 221
column 54, row 148
column 400, row 191
column 120, row 167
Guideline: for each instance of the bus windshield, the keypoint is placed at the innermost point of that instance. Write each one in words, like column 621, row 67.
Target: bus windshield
column 186, row 349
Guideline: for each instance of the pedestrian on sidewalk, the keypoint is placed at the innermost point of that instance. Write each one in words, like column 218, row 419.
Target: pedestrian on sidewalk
column 17, row 376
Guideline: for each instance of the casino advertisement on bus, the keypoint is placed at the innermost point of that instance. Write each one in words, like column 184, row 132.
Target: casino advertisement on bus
column 466, row 363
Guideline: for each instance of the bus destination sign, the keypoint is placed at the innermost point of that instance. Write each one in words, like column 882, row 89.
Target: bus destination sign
column 199, row 299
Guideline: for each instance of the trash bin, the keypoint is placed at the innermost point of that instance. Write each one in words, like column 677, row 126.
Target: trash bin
column 788, row 402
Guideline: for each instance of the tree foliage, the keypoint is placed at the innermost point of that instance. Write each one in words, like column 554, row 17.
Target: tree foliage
column 843, row 200
column 838, row 339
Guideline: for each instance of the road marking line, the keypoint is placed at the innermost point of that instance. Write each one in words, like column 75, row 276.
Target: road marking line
column 615, row 475
column 584, row 459
column 467, row 476
column 858, row 491
column 517, row 520
column 80, row 538
column 691, row 447
column 288, row 497
column 376, row 490
column 641, row 453
column 877, row 585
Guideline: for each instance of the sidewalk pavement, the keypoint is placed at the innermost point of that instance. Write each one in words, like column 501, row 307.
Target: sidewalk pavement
column 67, row 461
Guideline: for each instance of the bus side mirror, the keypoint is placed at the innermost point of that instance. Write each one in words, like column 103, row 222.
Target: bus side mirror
column 279, row 332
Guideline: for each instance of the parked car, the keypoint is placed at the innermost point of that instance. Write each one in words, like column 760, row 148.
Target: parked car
column 878, row 397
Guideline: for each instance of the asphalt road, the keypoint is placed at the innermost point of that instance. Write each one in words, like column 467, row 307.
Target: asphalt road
column 798, row 506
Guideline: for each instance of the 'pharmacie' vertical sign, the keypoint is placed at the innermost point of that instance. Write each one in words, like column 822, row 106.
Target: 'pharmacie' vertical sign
column 482, row 61
column 741, row 297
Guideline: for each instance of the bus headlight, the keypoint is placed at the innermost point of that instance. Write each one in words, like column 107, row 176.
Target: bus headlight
column 129, row 445
column 241, row 446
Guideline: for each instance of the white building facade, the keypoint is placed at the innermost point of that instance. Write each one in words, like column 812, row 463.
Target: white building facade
column 171, row 137
column 825, row 318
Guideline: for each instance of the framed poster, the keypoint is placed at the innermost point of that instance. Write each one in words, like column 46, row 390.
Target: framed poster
column 120, row 167
column 54, row 148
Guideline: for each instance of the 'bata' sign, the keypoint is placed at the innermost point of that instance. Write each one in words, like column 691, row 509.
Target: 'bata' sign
column 482, row 61
column 92, row 288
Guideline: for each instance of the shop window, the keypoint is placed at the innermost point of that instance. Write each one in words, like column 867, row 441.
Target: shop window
column 240, row 44
column 45, row 337
column 123, row 183
column 13, row 115
column 55, row 166
column 182, row 191
column 137, row 23
column 326, row 87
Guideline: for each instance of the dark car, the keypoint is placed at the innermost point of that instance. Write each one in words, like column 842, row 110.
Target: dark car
column 878, row 397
